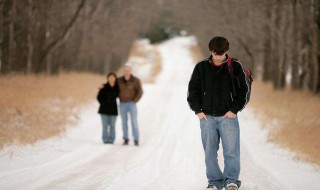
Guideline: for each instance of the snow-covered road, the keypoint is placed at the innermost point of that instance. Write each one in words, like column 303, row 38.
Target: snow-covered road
column 170, row 155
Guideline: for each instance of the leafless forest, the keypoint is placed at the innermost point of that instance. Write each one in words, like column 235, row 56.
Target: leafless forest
column 278, row 39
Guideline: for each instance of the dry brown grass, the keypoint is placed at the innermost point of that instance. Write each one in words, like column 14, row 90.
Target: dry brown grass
column 292, row 118
column 38, row 107
column 296, row 116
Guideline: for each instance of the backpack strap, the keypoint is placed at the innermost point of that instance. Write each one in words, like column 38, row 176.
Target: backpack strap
column 230, row 69
column 230, row 64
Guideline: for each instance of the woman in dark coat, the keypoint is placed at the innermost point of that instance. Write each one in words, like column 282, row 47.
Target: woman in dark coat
column 108, row 107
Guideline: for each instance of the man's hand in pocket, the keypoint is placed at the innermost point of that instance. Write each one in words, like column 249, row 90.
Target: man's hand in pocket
column 201, row 115
column 230, row 115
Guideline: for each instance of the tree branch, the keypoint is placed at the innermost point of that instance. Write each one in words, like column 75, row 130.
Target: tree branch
column 64, row 35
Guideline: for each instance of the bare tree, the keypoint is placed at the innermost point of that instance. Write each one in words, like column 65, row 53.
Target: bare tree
column 278, row 40
column 58, row 41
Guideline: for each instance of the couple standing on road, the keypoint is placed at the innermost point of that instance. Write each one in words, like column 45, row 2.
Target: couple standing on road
column 129, row 90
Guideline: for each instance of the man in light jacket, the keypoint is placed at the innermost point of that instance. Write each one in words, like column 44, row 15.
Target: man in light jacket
column 130, row 93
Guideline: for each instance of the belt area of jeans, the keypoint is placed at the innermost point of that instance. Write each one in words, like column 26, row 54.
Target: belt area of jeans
column 216, row 114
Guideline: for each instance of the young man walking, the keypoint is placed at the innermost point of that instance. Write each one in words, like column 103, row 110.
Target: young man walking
column 211, row 97
column 130, row 94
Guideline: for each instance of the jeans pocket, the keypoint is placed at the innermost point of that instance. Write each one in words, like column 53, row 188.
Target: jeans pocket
column 202, row 119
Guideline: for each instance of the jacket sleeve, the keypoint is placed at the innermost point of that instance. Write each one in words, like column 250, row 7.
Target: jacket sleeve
column 101, row 96
column 117, row 89
column 194, row 91
column 239, row 101
column 139, row 91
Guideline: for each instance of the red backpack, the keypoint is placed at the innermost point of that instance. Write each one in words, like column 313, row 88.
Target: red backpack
column 249, row 78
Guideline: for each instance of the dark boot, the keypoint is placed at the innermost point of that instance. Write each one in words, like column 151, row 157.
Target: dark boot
column 136, row 143
column 126, row 142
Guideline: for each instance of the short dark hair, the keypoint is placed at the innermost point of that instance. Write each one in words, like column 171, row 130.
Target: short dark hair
column 112, row 73
column 219, row 45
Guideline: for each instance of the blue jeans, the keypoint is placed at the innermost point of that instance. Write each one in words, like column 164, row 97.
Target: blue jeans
column 226, row 129
column 108, row 128
column 129, row 108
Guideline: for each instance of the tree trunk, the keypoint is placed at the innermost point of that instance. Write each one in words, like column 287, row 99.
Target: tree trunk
column 1, row 34
column 29, row 38
column 12, row 43
column 48, row 65
column 267, row 47
column 8, row 34
column 53, row 45
column 316, row 48
column 285, row 47
column 276, row 45
column 315, row 60
column 295, row 83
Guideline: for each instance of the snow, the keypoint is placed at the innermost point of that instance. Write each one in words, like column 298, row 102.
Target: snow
column 170, row 155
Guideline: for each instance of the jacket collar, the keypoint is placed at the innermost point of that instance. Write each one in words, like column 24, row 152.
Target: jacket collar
column 130, row 79
column 107, row 85
column 210, row 59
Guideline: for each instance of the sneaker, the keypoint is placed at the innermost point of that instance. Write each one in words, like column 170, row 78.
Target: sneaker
column 136, row 143
column 232, row 186
column 126, row 142
column 211, row 187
